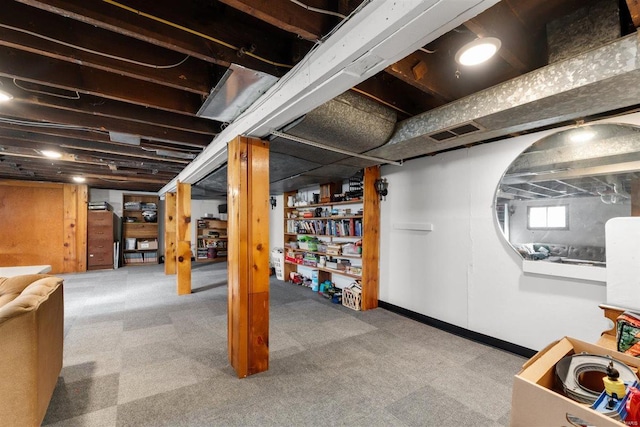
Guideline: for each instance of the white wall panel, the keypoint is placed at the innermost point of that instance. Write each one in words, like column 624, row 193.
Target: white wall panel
column 623, row 262
column 467, row 273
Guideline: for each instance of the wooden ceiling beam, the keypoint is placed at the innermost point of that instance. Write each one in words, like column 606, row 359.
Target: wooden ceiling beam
column 9, row 170
column 51, row 73
column 34, row 141
column 116, row 110
column 396, row 94
column 288, row 16
column 19, row 23
column 634, row 10
column 435, row 73
column 28, row 151
column 43, row 167
column 426, row 73
column 68, row 134
column 37, row 113
column 182, row 30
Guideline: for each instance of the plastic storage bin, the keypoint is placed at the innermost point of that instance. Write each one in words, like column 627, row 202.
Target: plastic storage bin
column 277, row 258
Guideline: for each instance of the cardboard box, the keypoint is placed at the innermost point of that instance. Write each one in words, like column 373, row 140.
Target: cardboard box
column 147, row 244
column 535, row 400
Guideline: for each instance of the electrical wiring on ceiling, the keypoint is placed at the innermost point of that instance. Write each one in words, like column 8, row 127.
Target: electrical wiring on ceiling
column 315, row 9
column 197, row 33
column 304, row 63
column 42, row 92
column 95, row 52
column 47, row 125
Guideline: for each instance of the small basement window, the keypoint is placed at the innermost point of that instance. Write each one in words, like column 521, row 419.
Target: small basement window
column 548, row 217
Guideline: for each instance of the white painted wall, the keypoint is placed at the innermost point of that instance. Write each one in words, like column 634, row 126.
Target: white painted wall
column 623, row 262
column 276, row 224
column 464, row 272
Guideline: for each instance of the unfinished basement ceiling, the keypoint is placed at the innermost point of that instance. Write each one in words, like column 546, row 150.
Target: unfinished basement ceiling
column 83, row 72
column 349, row 121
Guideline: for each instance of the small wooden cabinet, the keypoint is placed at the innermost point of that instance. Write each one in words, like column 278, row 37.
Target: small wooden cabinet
column 101, row 235
column 212, row 240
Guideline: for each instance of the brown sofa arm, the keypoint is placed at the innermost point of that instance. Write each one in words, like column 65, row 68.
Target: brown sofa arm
column 31, row 339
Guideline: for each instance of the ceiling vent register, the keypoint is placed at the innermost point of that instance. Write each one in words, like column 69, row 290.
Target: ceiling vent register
column 454, row 132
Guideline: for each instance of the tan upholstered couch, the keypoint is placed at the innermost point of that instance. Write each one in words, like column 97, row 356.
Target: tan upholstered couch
column 31, row 334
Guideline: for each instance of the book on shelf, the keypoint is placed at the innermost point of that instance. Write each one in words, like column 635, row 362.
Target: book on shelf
column 133, row 258
column 150, row 257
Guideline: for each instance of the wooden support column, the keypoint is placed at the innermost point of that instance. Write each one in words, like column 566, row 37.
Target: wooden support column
column 76, row 198
column 170, row 233
column 183, row 238
column 248, row 255
column 370, row 239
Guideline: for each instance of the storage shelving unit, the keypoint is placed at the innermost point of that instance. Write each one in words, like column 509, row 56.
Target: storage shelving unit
column 134, row 226
column 359, row 225
column 211, row 240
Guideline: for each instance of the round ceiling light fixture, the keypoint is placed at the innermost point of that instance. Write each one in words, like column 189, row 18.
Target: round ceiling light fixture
column 51, row 154
column 79, row 179
column 478, row 51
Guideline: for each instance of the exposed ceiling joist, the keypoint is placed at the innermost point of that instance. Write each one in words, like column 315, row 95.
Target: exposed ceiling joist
column 53, row 36
column 391, row 30
column 288, row 16
column 171, row 26
column 634, row 10
column 98, row 49
column 31, row 68
column 119, row 110
column 38, row 113
column 424, row 73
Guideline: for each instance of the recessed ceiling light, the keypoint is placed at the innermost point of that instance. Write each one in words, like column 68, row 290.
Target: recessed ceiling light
column 51, row 154
column 5, row 96
column 478, row 51
column 79, row 179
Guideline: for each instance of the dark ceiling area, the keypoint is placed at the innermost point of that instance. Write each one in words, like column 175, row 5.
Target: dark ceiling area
column 116, row 86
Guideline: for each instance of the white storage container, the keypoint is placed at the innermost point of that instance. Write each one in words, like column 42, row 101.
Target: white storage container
column 277, row 258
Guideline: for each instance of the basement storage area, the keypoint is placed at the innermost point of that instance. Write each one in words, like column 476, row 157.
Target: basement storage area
column 162, row 159
column 331, row 241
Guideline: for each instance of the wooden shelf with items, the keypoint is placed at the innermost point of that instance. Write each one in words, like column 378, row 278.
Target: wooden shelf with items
column 329, row 270
column 342, row 231
column 211, row 240
column 140, row 229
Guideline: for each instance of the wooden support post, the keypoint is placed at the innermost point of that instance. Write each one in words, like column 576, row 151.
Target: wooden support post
column 370, row 239
column 170, row 233
column 183, row 238
column 75, row 227
column 248, row 255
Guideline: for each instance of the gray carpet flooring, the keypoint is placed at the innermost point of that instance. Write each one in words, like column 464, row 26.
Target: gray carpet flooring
column 136, row 354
